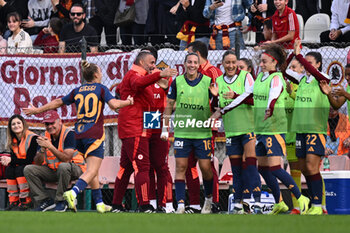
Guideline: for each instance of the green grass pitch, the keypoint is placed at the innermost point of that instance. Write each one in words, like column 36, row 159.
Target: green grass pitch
column 51, row 222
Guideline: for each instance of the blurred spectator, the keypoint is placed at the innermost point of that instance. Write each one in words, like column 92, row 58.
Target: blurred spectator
column 19, row 42
column 338, row 135
column 226, row 19
column 48, row 37
column 162, row 22
column 306, row 8
column 267, row 34
column 267, row 30
column 195, row 26
column 285, row 25
column 136, row 30
column 73, row 32
column 21, row 7
column 3, row 42
column 339, row 30
column 60, row 9
column 90, row 8
column 326, row 7
column 104, row 17
column 5, row 9
column 261, row 11
column 38, row 17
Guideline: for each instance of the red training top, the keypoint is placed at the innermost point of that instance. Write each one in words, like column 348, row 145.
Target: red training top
column 135, row 83
column 288, row 21
column 209, row 70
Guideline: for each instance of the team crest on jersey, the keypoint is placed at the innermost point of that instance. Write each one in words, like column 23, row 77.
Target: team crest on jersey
column 140, row 156
column 151, row 120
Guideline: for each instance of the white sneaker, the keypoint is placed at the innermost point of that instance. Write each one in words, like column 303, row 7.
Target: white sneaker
column 206, row 209
column 180, row 209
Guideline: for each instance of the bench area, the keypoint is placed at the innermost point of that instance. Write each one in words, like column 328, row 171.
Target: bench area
column 110, row 167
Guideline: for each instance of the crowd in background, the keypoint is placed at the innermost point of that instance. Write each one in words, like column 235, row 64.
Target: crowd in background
column 43, row 24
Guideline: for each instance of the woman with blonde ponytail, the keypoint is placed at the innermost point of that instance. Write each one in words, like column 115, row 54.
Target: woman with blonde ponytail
column 89, row 100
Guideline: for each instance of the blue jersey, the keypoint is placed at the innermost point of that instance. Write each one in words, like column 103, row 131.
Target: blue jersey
column 89, row 100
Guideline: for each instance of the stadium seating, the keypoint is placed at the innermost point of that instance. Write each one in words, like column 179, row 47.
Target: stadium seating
column 338, row 162
column 301, row 26
column 109, row 170
column 249, row 37
column 226, row 168
column 114, row 51
column 314, row 26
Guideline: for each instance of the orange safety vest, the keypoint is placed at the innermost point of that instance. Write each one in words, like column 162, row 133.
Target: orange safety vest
column 21, row 150
column 52, row 161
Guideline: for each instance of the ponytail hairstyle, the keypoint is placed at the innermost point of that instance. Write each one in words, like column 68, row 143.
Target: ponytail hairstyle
column 278, row 53
column 318, row 58
column 10, row 134
column 88, row 70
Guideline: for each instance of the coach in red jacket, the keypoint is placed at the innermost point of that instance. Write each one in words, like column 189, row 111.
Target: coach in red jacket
column 135, row 139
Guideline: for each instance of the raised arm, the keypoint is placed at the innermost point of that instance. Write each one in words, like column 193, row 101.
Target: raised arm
column 115, row 104
column 144, row 81
column 56, row 103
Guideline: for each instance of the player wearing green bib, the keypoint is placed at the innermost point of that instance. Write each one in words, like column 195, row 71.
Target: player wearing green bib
column 271, row 124
column 235, row 90
column 290, row 136
column 310, row 116
column 192, row 128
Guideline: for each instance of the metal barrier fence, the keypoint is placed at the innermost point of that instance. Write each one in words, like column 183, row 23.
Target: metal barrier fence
column 40, row 78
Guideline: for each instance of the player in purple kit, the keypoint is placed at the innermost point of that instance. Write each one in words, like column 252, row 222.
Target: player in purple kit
column 89, row 99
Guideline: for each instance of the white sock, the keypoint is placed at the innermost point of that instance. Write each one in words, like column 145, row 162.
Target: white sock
column 169, row 205
column 153, row 202
column 238, row 205
column 180, row 205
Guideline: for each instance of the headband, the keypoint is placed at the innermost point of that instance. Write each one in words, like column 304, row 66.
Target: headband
column 271, row 57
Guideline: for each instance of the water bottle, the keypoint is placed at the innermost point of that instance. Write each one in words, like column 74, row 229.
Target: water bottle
column 326, row 164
